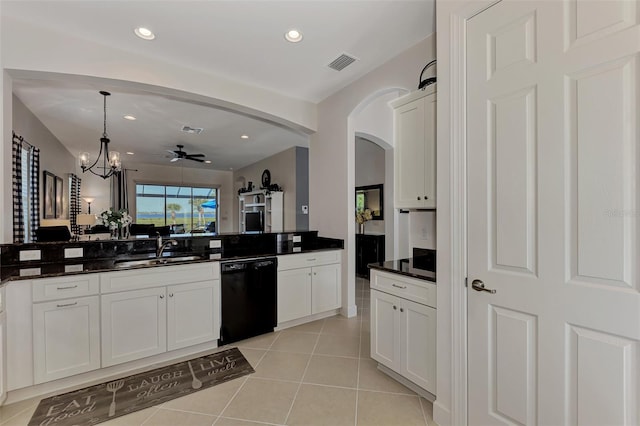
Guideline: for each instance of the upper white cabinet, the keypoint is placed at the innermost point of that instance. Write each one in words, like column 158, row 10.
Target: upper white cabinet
column 263, row 205
column 415, row 149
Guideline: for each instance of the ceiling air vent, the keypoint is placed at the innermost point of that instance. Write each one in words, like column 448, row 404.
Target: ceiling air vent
column 341, row 62
column 192, row 130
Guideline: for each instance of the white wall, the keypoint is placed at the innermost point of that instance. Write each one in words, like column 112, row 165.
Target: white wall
column 332, row 153
column 152, row 173
column 282, row 167
column 54, row 157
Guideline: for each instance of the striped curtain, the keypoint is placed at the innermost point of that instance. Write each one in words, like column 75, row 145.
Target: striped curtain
column 18, row 147
column 74, row 202
column 119, row 190
column 16, row 168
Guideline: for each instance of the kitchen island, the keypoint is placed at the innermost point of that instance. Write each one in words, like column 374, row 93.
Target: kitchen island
column 79, row 312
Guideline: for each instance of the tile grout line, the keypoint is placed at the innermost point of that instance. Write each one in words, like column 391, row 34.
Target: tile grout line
column 246, row 379
column 295, row 396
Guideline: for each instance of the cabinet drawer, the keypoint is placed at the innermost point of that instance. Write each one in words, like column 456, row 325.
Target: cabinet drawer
column 294, row 261
column 65, row 287
column 412, row 289
column 158, row 276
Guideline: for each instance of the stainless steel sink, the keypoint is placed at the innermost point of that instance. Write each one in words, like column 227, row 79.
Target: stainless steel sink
column 154, row 261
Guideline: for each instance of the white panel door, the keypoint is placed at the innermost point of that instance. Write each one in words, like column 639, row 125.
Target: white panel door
column 66, row 338
column 193, row 311
column 385, row 329
column 552, row 145
column 325, row 288
column 418, row 344
column 294, row 294
column 134, row 325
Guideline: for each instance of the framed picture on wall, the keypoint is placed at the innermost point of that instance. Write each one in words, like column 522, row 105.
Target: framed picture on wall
column 49, row 191
column 59, row 197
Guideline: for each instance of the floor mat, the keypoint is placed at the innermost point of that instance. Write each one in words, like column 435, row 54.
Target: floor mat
column 115, row 398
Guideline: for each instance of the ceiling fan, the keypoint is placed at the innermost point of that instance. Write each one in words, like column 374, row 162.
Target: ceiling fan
column 181, row 155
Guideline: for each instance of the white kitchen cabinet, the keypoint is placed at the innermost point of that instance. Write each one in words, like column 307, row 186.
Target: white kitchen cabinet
column 153, row 310
column 403, row 332
column 134, row 325
column 308, row 284
column 66, row 338
column 325, row 291
column 415, row 149
column 294, row 294
column 193, row 314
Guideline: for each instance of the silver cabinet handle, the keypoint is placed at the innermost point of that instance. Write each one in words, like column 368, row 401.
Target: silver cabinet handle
column 67, row 287
column 67, row 304
column 170, row 294
column 418, row 198
column 426, row 198
column 478, row 285
column 311, row 260
column 162, row 296
column 395, row 307
column 401, row 309
column 399, row 286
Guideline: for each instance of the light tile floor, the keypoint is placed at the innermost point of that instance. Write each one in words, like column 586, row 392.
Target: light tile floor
column 318, row 373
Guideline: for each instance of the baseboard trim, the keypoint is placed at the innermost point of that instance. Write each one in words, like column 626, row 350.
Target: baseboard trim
column 94, row 377
column 441, row 414
column 350, row 312
column 408, row 383
column 304, row 320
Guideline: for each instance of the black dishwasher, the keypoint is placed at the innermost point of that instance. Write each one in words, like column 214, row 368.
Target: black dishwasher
column 248, row 298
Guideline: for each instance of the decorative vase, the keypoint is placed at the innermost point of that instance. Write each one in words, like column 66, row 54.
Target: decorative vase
column 115, row 233
column 361, row 228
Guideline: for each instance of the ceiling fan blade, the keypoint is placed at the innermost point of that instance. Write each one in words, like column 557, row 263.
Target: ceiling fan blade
column 195, row 159
column 173, row 160
column 173, row 152
column 196, row 155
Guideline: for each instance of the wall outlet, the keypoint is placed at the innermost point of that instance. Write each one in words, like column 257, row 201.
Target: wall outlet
column 73, row 252
column 29, row 255
column 305, row 209
column 215, row 243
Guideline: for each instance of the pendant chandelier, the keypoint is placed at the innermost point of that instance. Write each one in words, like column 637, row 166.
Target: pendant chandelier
column 110, row 163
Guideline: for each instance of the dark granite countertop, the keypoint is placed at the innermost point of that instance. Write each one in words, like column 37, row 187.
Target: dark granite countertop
column 413, row 267
column 234, row 247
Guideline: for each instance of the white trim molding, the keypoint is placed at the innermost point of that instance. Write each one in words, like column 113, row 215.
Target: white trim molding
column 451, row 404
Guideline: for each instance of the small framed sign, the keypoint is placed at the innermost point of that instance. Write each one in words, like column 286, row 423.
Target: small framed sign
column 49, row 190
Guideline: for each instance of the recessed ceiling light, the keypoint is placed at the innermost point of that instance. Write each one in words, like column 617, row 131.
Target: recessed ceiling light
column 294, row 36
column 207, row 161
column 130, row 153
column 244, row 136
column 144, row 33
column 129, row 117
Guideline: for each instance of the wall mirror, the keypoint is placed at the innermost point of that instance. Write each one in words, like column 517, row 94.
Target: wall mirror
column 371, row 197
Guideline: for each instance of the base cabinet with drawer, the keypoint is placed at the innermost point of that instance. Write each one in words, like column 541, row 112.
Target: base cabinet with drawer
column 403, row 331
column 308, row 284
column 66, row 327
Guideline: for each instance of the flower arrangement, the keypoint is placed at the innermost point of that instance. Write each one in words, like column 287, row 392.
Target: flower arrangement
column 363, row 216
column 115, row 219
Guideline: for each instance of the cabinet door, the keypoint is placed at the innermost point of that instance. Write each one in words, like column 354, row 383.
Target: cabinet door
column 429, row 166
column 385, row 336
column 134, row 325
column 193, row 312
column 410, row 154
column 325, row 288
column 66, row 338
column 418, row 343
column 294, row 294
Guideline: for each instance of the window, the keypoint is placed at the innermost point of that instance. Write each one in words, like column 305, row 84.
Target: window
column 183, row 208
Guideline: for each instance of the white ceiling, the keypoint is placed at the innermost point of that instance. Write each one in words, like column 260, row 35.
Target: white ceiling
column 238, row 40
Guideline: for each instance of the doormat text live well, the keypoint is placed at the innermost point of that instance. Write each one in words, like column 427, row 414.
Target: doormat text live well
column 99, row 403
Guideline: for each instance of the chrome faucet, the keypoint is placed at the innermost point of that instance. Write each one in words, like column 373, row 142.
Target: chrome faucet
column 160, row 245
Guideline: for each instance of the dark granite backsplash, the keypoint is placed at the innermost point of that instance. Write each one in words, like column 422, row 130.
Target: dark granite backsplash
column 233, row 245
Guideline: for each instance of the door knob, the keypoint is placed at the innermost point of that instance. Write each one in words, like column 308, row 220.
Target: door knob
column 478, row 285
